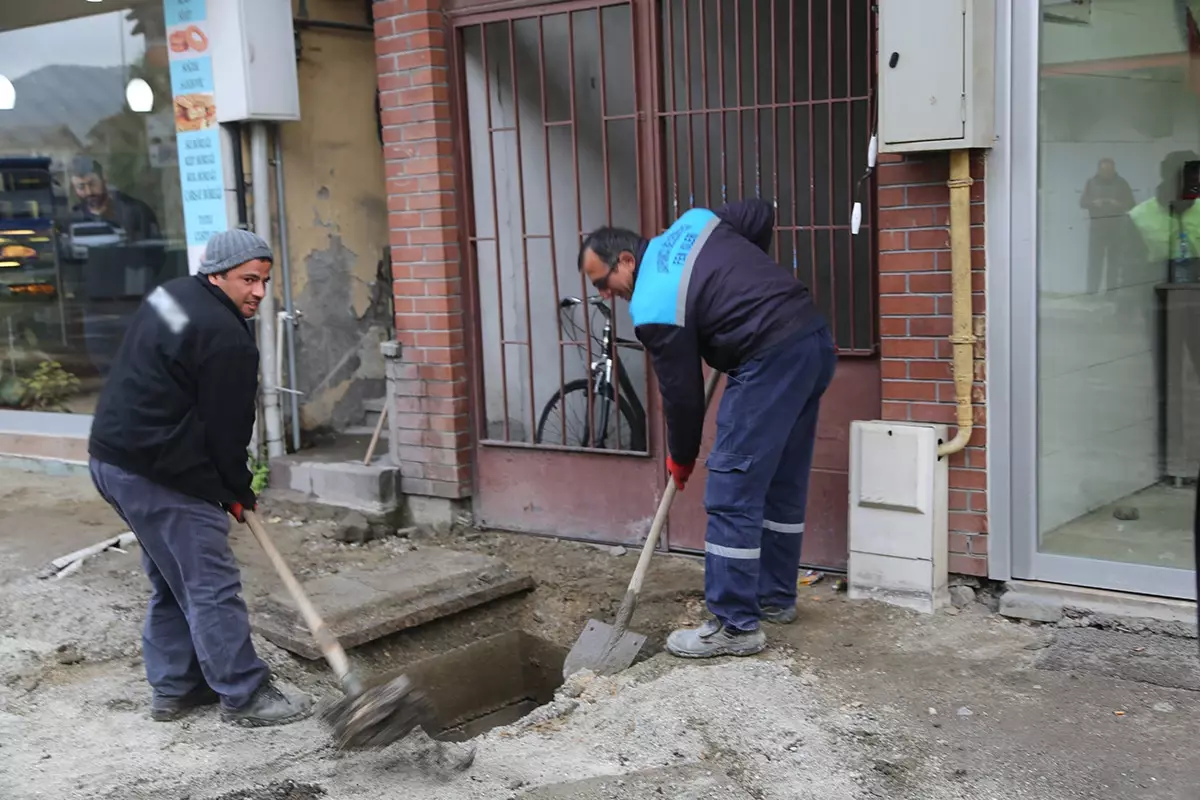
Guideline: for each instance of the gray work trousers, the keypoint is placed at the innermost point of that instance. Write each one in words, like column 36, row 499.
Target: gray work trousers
column 197, row 629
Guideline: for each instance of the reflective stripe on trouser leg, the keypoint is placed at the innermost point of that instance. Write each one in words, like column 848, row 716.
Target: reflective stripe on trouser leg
column 787, row 499
column 733, row 496
column 779, row 569
column 780, row 566
column 764, row 401
column 731, row 572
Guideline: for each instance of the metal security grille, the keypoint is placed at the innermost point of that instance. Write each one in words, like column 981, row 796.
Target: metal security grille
column 549, row 100
column 774, row 99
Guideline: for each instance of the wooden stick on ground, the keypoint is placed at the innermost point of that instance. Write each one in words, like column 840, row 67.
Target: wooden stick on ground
column 375, row 436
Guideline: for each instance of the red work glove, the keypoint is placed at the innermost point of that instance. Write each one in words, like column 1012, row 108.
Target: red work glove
column 239, row 512
column 680, row 472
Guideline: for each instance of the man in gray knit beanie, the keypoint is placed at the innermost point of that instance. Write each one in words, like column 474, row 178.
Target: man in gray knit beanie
column 238, row 262
column 169, row 452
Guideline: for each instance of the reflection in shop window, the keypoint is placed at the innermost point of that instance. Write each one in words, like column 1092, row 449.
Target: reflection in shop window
column 90, row 205
column 1118, row 272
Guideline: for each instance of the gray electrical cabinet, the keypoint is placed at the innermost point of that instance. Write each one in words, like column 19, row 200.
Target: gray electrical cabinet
column 937, row 74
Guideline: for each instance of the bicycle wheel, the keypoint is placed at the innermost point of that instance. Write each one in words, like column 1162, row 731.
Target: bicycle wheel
column 571, row 403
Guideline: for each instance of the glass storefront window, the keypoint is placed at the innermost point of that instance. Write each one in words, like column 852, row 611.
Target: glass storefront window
column 1119, row 280
column 90, row 203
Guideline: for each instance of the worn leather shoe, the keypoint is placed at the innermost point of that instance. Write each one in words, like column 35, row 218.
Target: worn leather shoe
column 168, row 709
column 270, row 705
column 713, row 639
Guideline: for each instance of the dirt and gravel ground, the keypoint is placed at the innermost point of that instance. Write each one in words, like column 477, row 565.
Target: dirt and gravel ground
column 854, row 701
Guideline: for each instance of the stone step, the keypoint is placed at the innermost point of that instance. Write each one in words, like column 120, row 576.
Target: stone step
column 372, row 408
column 367, row 430
column 337, row 477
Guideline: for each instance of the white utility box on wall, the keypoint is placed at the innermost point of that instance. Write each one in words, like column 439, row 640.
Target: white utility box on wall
column 937, row 73
column 254, row 60
column 899, row 514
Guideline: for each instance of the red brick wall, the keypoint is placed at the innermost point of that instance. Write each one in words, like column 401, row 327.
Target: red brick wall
column 914, row 310
column 431, row 403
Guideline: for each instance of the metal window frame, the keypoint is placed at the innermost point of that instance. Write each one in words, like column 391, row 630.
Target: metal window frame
column 1012, row 286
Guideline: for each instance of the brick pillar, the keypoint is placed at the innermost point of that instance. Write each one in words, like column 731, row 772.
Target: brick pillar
column 914, row 310
column 430, row 402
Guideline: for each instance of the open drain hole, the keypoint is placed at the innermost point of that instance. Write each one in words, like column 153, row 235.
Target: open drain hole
column 489, row 683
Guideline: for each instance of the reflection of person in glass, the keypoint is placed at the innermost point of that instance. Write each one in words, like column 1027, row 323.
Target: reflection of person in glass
column 1169, row 222
column 98, row 201
column 117, row 220
column 1107, row 199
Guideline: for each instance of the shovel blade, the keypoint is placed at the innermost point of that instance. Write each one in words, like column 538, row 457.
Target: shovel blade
column 592, row 651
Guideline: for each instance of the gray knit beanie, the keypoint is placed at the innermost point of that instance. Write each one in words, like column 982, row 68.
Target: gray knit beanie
column 230, row 249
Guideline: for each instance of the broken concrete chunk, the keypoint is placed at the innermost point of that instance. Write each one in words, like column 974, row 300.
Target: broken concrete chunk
column 577, row 683
column 355, row 528
column 962, row 596
column 66, row 654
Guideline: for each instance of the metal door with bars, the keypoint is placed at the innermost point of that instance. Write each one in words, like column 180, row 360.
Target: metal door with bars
column 549, row 99
column 589, row 112
column 775, row 99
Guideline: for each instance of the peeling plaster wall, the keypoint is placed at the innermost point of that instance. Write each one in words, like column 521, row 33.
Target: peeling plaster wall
column 337, row 222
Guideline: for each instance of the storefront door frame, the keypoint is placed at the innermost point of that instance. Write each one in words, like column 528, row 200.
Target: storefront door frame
column 1013, row 336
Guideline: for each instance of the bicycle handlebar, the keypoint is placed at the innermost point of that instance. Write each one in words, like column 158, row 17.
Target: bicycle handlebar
column 598, row 302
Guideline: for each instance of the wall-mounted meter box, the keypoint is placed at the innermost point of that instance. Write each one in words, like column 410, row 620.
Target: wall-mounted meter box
column 937, row 73
column 254, row 60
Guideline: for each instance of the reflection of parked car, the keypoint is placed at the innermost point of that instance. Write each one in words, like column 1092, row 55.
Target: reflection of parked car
column 81, row 236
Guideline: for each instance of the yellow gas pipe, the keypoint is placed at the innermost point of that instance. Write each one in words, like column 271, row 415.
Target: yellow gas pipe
column 962, row 335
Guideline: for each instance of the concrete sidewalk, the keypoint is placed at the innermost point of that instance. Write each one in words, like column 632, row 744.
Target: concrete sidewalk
column 853, row 701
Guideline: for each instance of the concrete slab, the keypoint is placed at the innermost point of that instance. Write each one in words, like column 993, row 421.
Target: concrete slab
column 1159, row 660
column 367, row 603
column 1047, row 602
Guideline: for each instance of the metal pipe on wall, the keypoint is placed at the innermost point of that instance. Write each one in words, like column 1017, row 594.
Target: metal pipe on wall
column 239, row 170
column 260, row 177
column 285, row 264
column 235, row 204
column 962, row 336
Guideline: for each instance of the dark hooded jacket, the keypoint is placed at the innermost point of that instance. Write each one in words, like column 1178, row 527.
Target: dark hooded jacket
column 707, row 289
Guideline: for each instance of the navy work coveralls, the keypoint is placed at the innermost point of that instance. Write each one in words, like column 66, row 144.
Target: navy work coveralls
column 707, row 289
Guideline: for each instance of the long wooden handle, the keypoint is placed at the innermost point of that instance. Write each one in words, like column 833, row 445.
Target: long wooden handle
column 375, row 436
column 330, row 647
column 664, row 505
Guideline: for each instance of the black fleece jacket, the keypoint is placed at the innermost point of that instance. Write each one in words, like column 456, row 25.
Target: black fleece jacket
column 178, row 406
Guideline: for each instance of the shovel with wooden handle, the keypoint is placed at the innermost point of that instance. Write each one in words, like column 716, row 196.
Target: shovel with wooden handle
column 330, row 647
column 606, row 649
column 368, row 716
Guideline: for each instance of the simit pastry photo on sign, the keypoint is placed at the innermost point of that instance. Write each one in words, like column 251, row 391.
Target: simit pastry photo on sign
column 191, row 38
column 195, row 112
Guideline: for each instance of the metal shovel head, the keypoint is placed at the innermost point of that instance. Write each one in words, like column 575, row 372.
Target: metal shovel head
column 592, row 650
